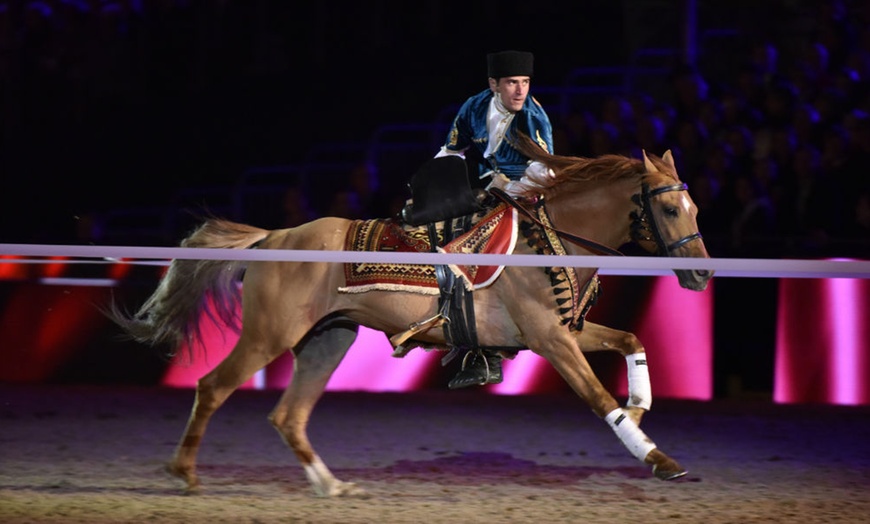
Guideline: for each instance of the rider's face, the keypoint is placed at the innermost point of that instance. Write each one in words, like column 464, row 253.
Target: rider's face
column 513, row 91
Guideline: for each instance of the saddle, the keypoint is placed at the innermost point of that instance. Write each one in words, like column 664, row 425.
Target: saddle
column 443, row 201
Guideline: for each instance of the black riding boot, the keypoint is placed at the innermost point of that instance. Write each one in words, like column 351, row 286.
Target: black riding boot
column 478, row 368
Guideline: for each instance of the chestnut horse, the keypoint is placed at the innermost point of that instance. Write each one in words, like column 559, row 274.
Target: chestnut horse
column 606, row 202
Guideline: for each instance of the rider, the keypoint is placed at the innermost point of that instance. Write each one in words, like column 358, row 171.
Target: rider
column 485, row 127
column 487, row 122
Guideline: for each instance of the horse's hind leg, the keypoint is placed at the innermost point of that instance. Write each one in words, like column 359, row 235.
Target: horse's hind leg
column 315, row 361
column 212, row 390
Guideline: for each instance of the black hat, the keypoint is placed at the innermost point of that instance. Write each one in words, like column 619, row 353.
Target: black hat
column 509, row 63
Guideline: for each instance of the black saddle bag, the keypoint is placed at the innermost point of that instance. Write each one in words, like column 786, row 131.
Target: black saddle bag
column 439, row 191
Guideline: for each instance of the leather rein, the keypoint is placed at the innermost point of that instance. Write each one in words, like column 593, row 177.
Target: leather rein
column 642, row 222
column 591, row 245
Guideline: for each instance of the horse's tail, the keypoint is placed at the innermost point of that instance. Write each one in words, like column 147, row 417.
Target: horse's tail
column 170, row 316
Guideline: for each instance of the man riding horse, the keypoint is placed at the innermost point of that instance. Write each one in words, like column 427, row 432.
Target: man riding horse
column 484, row 129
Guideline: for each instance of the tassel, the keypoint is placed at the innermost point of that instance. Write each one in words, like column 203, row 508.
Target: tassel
column 561, row 301
column 565, row 310
column 560, row 290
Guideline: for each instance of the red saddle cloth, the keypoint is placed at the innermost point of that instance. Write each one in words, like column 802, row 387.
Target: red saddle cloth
column 493, row 232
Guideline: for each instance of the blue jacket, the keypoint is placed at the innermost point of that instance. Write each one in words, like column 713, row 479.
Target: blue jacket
column 469, row 131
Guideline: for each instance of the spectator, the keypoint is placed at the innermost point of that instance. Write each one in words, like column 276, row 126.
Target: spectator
column 751, row 227
column 297, row 208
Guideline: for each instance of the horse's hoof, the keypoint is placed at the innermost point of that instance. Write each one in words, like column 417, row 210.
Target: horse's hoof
column 668, row 474
column 191, row 480
column 342, row 489
column 349, row 489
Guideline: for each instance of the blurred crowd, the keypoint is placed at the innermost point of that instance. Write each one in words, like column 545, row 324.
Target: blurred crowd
column 776, row 150
column 776, row 153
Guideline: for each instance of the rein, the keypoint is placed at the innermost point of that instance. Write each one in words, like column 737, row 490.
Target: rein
column 580, row 241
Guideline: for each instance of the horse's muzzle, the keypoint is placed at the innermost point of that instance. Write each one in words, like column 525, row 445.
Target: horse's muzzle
column 694, row 279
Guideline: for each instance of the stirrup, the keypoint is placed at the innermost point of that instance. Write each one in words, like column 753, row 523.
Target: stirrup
column 476, row 354
column 475, row 374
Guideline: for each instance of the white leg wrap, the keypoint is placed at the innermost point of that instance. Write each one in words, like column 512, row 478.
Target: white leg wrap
column 631, row 436
column 639, row 388
column 320, row 477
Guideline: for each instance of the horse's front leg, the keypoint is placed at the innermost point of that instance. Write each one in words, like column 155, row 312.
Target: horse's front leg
column 595, row 337
column 564, row 354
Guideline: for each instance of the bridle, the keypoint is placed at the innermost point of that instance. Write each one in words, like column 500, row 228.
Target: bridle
column 644, row 227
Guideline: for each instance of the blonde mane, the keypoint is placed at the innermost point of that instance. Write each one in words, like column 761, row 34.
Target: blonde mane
column 572, row 172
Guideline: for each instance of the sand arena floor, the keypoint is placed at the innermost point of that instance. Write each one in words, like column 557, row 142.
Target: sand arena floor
column 96, row 455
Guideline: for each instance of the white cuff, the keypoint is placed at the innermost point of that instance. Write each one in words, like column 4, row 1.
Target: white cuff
column 639, row 387
column 632, row 437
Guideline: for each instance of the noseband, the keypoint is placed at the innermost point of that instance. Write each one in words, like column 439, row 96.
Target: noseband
column 644, row 227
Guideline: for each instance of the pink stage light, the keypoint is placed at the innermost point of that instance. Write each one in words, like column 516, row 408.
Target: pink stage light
column 372, row 351
column 843, row 299
column 522, row 375
column 823, row 341
column 217, row 341
column 677, row 333
column 368, row 365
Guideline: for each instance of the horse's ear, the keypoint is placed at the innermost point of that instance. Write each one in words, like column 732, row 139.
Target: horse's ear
column 647, row 164
column 668, row 159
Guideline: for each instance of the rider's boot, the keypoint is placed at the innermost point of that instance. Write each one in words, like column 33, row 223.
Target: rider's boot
column 478, row 368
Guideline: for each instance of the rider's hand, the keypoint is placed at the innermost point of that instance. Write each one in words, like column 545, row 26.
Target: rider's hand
column 540, row 174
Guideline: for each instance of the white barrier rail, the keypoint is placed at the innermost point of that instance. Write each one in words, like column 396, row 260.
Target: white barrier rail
column 628, row 265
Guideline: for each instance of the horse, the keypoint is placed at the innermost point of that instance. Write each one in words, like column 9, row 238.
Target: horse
column 589, row 206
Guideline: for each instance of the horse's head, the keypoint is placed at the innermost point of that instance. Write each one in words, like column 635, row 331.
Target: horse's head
column 667, row 221
column 664, row 225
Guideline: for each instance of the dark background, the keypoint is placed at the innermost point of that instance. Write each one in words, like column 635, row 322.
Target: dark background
column 120, row 105
column 104, row 111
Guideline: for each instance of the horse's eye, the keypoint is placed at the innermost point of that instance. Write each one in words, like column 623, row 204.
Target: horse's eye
column 672, row 211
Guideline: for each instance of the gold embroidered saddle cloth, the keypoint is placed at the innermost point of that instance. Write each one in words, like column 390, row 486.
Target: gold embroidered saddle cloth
column 493, row 232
